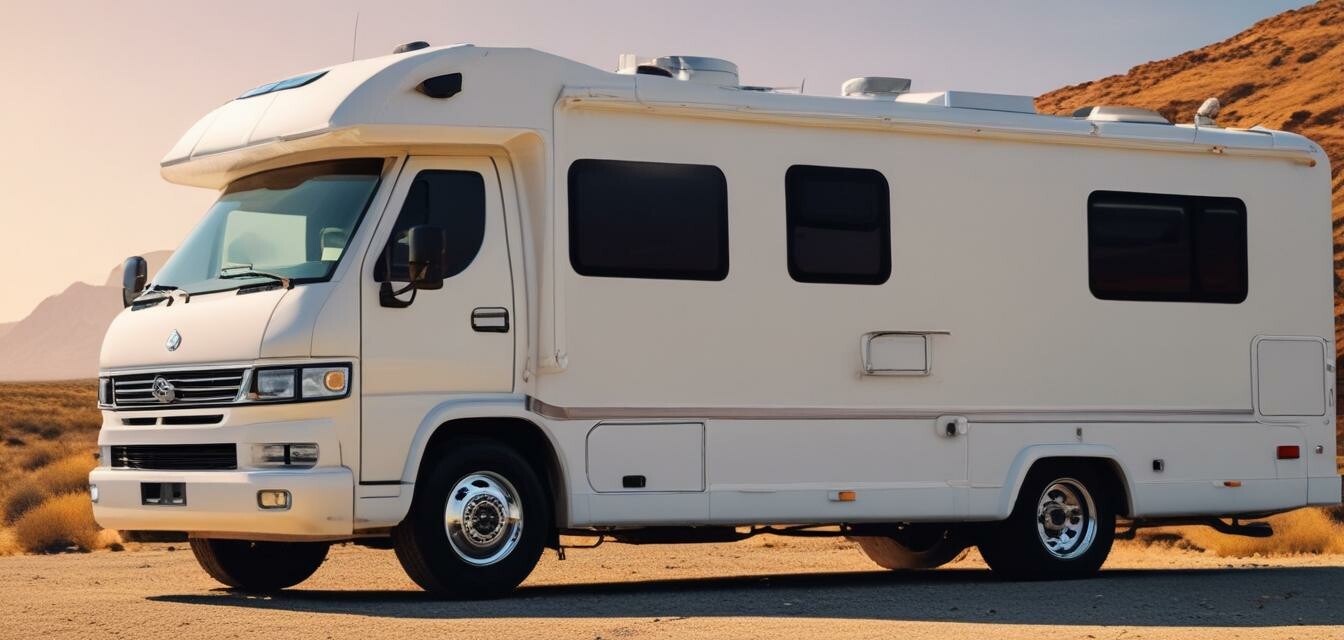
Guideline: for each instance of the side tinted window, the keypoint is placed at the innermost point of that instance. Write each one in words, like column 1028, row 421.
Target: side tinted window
column 453, row 200
column 648, row 220
column 1145, row 246
column 839, row 225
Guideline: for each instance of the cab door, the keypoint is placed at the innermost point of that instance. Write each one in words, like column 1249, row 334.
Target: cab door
column 445, row 342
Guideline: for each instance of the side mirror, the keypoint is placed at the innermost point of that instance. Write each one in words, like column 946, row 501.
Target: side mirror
column 134, row 273
column 424, row 245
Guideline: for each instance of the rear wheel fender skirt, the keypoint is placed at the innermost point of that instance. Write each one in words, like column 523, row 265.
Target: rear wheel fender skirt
column 1026, row 458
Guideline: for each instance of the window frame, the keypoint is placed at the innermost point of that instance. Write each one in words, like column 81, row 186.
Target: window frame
column 1194, row 208
column 575, row 201
column 792, row 212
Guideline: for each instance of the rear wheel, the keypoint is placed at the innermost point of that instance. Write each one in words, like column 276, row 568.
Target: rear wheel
column 259, row 566
column 478, row 523
column 1062, row 526
column 914, row 546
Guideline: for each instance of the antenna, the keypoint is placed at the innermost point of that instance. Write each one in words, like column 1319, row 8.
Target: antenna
column 354, row 40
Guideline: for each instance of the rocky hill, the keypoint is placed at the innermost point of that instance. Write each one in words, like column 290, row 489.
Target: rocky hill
column 1285, row 72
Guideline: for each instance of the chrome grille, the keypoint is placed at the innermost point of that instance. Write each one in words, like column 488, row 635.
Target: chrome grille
column 188, row 387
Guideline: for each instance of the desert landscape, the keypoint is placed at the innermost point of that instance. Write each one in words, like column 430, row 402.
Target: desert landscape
column 64, row 576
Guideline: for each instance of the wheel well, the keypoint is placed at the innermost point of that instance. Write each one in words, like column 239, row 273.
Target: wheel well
column 1117, row 490
column 521, row 435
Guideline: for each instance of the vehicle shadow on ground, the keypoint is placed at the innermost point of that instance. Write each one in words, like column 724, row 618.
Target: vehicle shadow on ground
column 1253, row 597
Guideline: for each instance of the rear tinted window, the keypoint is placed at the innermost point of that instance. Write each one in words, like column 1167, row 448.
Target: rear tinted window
column 839, row 225
column 1145, row 246
column 648, row 220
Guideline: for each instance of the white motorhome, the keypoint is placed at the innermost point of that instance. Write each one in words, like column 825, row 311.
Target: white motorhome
column 461, row 301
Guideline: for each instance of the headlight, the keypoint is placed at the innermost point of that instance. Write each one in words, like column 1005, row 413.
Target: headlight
column 275, row 384
column 302, row 383
column 104, row 392
column 325, row 382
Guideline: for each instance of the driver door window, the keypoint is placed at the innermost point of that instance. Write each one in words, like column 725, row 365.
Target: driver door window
column 451, row 200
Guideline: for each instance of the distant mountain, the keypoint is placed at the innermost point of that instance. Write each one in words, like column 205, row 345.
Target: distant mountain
column 61, row 338
column 1285, row 72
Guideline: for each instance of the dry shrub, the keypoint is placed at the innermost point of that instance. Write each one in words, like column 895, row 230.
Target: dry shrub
column 1301, row 531
column 109, row 539
column 22, row 498
column 67, row 475
column 8, row 544
column 40, row 456
column 58, row 524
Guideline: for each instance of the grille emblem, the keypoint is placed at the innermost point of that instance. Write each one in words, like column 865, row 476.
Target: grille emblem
column 174, row 341
column 163, row 390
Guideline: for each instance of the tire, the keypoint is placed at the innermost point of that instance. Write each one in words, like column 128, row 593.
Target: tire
column 478, row 523
column 916, row 547
column 259, row 567
column 1061, row 527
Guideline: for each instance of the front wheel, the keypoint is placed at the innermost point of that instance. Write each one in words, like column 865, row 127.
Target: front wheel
column 478, row 523
column 1062, row 526
column 259, row 567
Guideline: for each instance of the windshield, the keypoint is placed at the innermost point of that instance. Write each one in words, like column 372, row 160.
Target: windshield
column 292, row 223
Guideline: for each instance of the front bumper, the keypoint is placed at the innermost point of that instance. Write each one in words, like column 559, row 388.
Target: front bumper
column 224, row 503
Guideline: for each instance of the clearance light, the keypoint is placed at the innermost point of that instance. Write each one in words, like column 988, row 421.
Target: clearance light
column 846, row 495
column 1232, row 484
column 273, row 499
column 1289, row 452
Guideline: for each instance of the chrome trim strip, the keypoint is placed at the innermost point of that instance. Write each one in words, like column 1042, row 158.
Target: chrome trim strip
column 982, row 415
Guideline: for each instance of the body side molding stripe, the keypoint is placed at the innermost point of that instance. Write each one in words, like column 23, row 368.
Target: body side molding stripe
column 989, row 414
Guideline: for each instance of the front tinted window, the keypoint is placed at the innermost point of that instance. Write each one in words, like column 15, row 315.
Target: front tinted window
column 294, row 222
column 648, row 220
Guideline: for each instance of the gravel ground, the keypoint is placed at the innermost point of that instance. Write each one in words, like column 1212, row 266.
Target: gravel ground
column 763, row 588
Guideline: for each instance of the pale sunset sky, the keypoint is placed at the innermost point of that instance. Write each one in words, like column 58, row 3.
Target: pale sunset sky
column 96, row 92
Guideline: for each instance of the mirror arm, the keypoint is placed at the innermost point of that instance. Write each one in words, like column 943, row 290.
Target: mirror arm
column 387, row 296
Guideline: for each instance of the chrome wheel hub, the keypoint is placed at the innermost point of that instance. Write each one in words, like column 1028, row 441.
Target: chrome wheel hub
column 1066, row 519
column 483, row 518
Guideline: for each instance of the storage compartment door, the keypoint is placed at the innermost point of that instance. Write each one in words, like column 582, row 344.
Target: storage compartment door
column 1290, row 377
column 647, row 457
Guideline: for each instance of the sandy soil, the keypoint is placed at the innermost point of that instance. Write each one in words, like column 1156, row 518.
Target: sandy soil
column 763, row 588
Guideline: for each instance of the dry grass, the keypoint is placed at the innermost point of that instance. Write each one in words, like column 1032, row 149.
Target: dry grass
column 59, row 524
column 48, row 437
column 8, row 544
column 23, row 498
column 1305, row 531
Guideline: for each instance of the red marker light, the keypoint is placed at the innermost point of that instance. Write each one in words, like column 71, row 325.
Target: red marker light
column 1289, row 452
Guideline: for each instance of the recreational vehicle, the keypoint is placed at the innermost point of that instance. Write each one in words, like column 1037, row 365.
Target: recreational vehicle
column 463, row 301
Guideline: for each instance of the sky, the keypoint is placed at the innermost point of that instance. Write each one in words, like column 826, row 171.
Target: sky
column 94, row 93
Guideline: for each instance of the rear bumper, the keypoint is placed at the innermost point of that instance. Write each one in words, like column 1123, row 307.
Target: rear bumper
column 224, row 503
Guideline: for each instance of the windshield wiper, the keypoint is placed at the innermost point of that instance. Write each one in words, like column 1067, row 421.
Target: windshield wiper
column 231, row 271
column 164, row 292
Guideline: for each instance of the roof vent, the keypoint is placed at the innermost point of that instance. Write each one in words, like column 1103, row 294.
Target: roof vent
column 875, row 86
column 698, row 69
column 411, row 46
column 972, row 100
column 1113, row 113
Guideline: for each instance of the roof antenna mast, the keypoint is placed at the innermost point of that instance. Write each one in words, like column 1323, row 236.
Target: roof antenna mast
column 354, row 38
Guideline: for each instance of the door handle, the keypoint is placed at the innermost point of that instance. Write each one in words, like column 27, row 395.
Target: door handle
column 490, row 319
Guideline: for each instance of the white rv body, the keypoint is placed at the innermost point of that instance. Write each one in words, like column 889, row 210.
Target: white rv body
column 753, row 398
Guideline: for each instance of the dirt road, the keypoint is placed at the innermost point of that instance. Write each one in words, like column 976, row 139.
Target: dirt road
column 763, row 588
